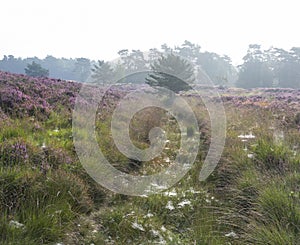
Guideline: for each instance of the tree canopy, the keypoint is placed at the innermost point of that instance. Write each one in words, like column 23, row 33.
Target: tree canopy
column 36, row 70
column 171, row 72
column 273, row 67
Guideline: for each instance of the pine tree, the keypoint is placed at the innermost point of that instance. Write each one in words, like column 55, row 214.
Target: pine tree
column 171, row 72
column 36, row 70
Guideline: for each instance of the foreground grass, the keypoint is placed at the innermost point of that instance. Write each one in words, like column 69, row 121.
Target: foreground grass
column 252, row 197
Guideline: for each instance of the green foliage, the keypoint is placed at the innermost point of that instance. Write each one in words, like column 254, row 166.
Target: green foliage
column 270, row 234
column 36, row 70
column 82, row 68
column 279, row 207
column 254, row 72
column 289, row 69
column 171, row 72
column 43, row 205
column 102, row 73
column 251, row 198
column 272, row 156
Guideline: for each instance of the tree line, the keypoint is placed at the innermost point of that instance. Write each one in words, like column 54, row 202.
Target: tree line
column 273, row 67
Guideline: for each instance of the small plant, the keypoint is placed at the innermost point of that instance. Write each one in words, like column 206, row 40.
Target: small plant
column 272, row 157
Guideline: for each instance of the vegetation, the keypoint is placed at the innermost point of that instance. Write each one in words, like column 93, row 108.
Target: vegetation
column 171, row 72
column 36, row 70
column 273, row 67
column 46, row 197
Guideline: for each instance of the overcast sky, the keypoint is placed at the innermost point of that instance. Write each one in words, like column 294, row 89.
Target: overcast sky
column 99, row 29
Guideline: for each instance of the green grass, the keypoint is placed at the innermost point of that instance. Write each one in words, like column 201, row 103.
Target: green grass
column 253, row 197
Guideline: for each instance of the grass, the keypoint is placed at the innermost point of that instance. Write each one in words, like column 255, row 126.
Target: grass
column 253, row 197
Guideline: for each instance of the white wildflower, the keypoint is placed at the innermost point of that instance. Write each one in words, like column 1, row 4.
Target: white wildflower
column 250, row 155
column 16, row 224
column 148, row 215
column 170, row 205
column 246, row 136
column 137, row 226
column 231, row 234
column 154, row 232
column 172, row 193
column 184, row 202
column 163, row 229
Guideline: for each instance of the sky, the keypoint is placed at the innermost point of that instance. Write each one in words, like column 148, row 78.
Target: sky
column 98, row 29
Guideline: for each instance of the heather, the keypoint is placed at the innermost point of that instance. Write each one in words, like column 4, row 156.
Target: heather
column 46, row 196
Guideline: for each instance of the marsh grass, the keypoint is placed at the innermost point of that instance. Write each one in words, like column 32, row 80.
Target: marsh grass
column 253, row 196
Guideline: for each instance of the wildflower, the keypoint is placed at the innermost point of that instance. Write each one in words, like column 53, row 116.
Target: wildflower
column 172, row 193
column 163, row 229
column 246, row 136
column 167, row 160
column 231, row 234
column 154, row 232
column 16, row 224
column 207, row 200
column 148, row 215
column 44, row 145
column 170, row 205
column 183, row 203
column 250, row 155
column 137, row 226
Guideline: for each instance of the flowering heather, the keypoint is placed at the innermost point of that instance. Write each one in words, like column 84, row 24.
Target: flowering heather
column 22, row 95
column 46, row 196
column 270, row 98
column 12, row 153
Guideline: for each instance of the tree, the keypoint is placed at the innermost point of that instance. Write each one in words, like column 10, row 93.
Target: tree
column 132, row 61
column 171, row 72
column 102, row 73
column 218, row 68
column 255, row 74
column 289, row 69
column 255, row 71
column 189, row 51
column 36, row 70
column 82, row 69
column 12, row 64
